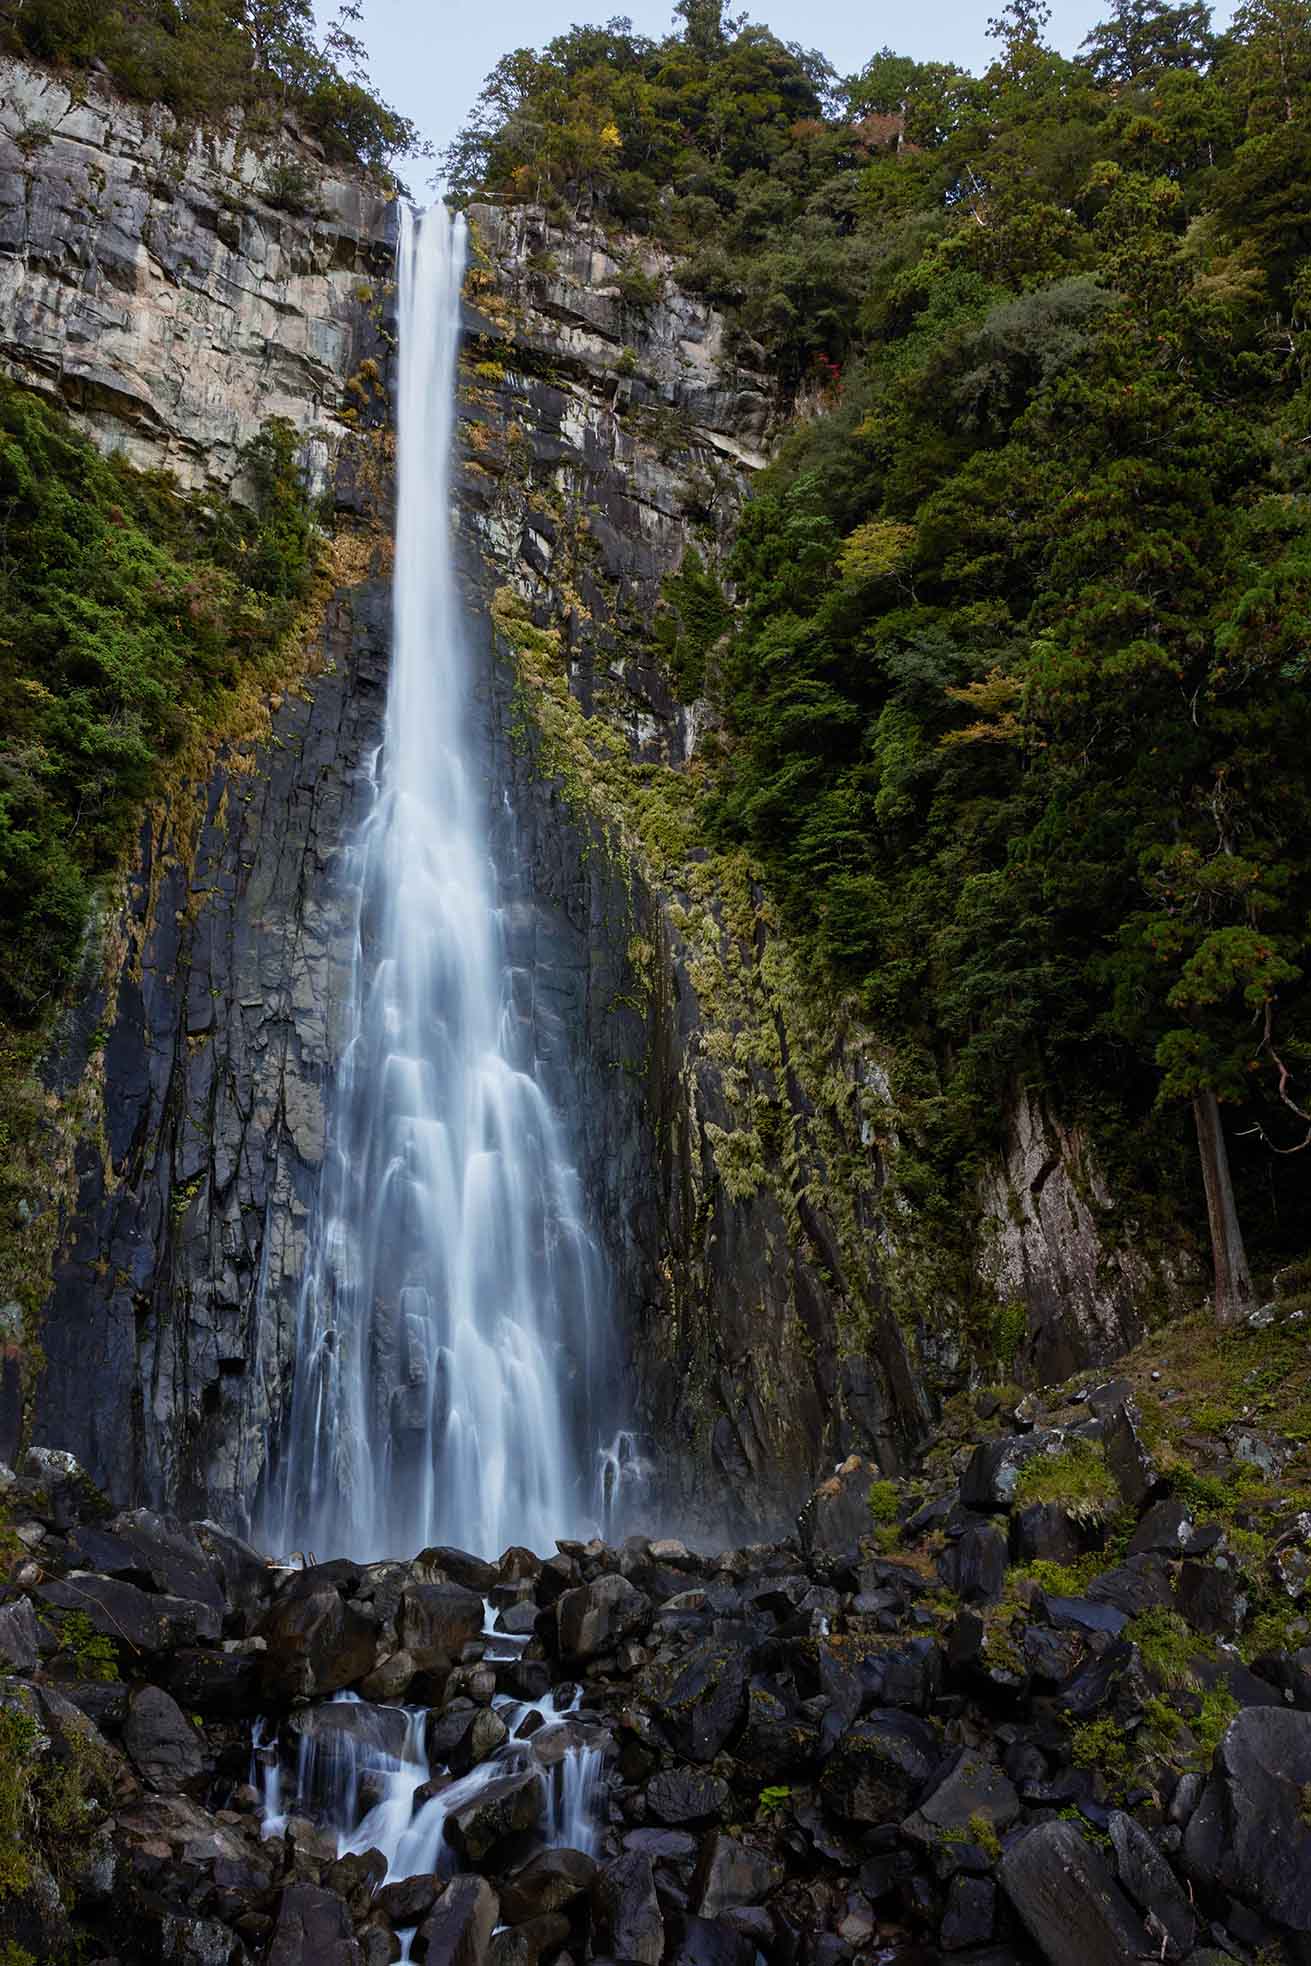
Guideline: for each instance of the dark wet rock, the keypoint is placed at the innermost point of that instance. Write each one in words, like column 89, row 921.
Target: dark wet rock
column 974, row 1565
column 1054, row 1656
column 629, row 1924
column 167, row 1751
column 596, row 1616
column 524, row 1945
column 1166, row 1529
column 1083, row 1614
column 1208, row 1597
column 313, row 1928
column 731, row 1873
column 969, row 1914
column 225, row 1685
column 1045, row 1532
column 1150, row 1882
column 700, row 1701
column 663, row 1846
column 408, row 1901
column 546, row 1884
column 336, row 1724
column 143, row 1620
column 837, row 1514
column 442, row 1564
column 1249, row 1834
column 879, row 1768
column 505, row 1808
column 436, row 1623
column 317, row 1643
column 974, row 1787
column 697, row 1941
column 20, row 1638
column 1065, row 1895
column 1140, row 1583
column 1127, row 1456
column 686, row 1795
column 458, row 1930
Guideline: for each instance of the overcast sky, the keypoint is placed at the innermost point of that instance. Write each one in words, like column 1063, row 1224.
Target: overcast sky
column 429, row 57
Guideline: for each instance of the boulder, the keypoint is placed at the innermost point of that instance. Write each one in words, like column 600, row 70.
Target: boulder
column 970, row 1912
column 312, row 1928
column 879, row 1768
column 837, row 1515
column 166, row 1750
column 147, row 1621
column 1067, row 1899
column 1166, row 1530
column 224, row 1685
column 436, row 1623
column 685, row 1795
column 444, row 1565
column 626, row 1911
column 1127, row 1456
column 1249, row 1834
column 405, row 1903
column 458, row 1930
column 731, row 1873
column 317, row 1643
column 974, row 1566
column 973, row 1787
column 1045, row 1532
column 700, row 1700
column 1207, row 1596
column 593, row 1618
column 546, row 1884
column 20, row 1638
column 507, row 1806
column 168, row 1554
column 1152, row 1885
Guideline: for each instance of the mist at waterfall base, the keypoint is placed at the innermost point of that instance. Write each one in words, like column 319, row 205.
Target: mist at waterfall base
column 454, row 1353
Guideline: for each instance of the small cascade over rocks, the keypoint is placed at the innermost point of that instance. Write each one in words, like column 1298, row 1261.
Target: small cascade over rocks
column 452, row 1364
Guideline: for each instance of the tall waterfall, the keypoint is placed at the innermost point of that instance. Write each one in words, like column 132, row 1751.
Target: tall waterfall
column 453, row 1315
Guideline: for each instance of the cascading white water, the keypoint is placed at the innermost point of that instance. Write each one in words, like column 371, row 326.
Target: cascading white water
column 452, row 1321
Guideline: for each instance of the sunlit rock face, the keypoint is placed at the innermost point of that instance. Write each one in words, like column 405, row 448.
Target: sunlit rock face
column 149, row 279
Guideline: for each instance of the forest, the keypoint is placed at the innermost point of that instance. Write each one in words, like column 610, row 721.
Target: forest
column 1010, row 653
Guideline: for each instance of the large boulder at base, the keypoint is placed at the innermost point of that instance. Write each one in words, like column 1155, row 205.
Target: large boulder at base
column 685, row 1795
column 700, row 1700
column 626, row 1910
column 165, row 1748
column 1249, row 1834
column 313, row 1928
column 1074, row 1911
column 317, row 1643
column 458, row 1930
column 596, row 1616
column 547, row 1884
column 506, row 1807
column 974, row 1787
column 879, row 1768
column 436, row 1623
column 732, row 1873
column 1152, row 1885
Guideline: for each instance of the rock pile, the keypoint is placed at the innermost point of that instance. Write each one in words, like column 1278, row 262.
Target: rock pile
column 965, row 1730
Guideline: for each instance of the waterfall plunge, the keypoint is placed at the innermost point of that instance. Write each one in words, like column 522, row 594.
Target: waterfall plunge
column 452, row 1320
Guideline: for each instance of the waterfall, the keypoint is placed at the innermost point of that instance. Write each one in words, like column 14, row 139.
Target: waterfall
column 453, row 1314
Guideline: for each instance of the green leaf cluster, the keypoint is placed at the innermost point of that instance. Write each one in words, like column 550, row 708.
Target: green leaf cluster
column 127, row 615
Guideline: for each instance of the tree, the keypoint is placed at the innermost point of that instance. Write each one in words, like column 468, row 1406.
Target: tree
column 1144, row 38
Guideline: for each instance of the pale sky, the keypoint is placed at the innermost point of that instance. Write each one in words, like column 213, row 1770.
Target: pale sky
column 429, row 57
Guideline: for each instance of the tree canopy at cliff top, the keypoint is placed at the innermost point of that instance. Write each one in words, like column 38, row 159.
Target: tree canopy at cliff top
column 1015, row 693
column 203, row 59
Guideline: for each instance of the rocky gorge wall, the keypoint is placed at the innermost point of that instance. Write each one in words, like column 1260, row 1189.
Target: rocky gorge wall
column 734, row 1124
column 739, row 1127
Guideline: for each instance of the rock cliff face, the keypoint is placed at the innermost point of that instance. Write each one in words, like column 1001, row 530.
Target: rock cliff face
column 734, row 1126
column 149, row 277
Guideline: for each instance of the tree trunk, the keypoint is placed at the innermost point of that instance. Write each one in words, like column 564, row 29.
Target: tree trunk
column 1233, row 1282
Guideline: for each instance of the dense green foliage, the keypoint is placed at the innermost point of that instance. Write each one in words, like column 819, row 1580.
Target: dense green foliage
column 127, row 613
column 204, row 59
column 1017, row 686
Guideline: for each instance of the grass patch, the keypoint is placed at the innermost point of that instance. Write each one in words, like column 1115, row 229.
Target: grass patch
column 1077, row 1478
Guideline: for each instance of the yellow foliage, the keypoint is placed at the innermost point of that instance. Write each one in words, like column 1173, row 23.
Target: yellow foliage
column 610, row 137
column 875, row 550
column 996, row 699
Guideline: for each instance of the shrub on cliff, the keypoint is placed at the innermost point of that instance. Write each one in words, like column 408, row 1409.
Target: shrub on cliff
column 126, row 612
